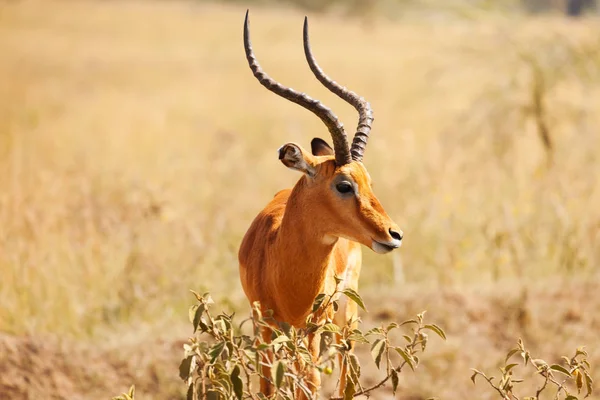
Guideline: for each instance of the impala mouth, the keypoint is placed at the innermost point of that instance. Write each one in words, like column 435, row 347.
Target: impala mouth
column 385, row 247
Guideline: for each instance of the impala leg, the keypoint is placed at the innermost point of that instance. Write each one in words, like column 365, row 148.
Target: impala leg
column 348, row 310
column 343, row 371
column 266, row 387
column 313, row 374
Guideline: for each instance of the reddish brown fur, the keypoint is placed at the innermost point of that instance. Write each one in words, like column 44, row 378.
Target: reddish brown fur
column 301, row 240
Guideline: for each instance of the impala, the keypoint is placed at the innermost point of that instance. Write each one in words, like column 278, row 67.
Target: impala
column 310, row 234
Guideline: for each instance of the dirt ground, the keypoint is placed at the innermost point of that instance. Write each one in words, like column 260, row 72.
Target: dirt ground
column 45, row 368
column 482, row 324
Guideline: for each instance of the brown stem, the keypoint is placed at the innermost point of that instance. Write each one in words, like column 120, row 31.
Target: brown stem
column 543, row 387
column 245, row 368
column 398, row 369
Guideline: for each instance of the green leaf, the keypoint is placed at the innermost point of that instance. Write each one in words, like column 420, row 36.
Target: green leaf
column 436, row 329
column 262, row 346
column 510, row 354
column 281, row 339
column 409, row 321
column 374, row 331
column 192, row 312
column 185, row 367
column 219, row 326
column 349, row 390
column 578, row 380
column 198, row 297
column 311, row 327
column 588, row 383
column 355, row 297
column 581, row 351
column 571, row 397
column 190, row 392
column 525, row 355
column 238, row 385
column 357, row 336
column 227, row 321
column 306, row 356
column 560, row 369
column 377, row 351
column 131, row 392
column 278, row 373
column 213, row 394
column 474, row 376
column 207, row 299
column 285, row 327
column 475, row 373
column 354, row 367
column 409, row 360
column 540, row 364
column 391, row 326
column 331, row 328
column 395, row 381
column 318, row 301
column 198, row 317
column 509, row 367
column 216, row 351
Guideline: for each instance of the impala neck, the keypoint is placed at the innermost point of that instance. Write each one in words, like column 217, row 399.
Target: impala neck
column 305, row 254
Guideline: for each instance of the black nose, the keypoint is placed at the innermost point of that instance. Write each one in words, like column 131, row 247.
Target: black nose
column 396, row 235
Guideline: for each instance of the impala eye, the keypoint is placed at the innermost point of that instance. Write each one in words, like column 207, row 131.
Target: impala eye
column 344, row 187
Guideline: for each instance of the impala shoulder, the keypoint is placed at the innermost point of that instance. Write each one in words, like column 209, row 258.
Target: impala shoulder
column 266, row 224
column 282, row 195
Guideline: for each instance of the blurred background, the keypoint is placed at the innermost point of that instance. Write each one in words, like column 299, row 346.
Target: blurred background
column 136, row 148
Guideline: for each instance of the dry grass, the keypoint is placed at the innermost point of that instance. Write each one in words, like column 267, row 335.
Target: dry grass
column 135, row 149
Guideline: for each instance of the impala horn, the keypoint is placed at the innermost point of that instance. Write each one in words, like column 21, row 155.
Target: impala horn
column 365, row 113
column 335, row 127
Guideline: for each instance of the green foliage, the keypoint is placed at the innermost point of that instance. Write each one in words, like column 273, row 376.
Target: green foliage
column 574, row 371
column 223, row 362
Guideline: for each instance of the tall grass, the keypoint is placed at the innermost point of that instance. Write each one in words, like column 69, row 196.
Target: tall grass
column 136, row 148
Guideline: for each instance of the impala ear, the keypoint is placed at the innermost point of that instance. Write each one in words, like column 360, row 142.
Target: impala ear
column 295, row 157
column 319, row 147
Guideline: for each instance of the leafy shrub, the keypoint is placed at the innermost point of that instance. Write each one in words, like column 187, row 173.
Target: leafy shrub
column 554, row 377
column 222, row 362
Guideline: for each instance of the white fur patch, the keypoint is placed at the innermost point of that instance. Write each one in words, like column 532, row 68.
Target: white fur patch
column 329, row 239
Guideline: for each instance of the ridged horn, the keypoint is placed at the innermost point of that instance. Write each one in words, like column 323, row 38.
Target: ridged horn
column 335, row 127
column 365, row 113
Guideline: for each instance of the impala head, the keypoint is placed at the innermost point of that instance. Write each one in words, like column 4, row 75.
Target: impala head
column 336, row 185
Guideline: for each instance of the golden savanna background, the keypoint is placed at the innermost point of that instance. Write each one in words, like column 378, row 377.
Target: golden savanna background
column 136, row 148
